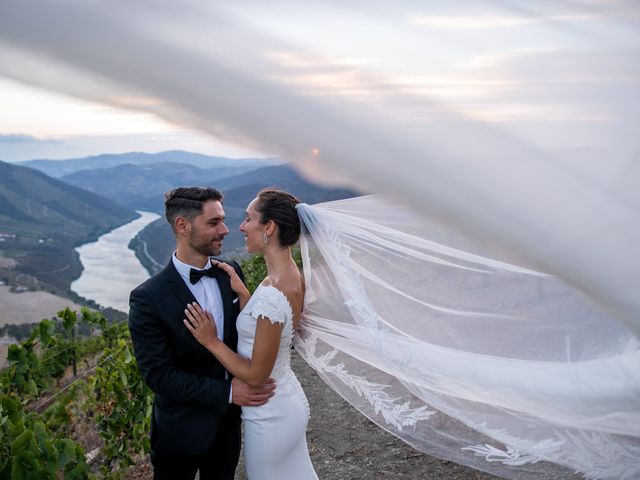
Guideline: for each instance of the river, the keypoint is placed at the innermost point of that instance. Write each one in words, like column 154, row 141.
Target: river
column 111, row 269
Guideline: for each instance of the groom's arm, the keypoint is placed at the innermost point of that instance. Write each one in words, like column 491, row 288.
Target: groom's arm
column 151, row 347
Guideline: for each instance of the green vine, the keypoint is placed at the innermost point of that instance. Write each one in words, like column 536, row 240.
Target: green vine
column 78, row 369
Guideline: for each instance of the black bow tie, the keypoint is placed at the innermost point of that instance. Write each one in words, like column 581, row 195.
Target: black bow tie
column 196, row 275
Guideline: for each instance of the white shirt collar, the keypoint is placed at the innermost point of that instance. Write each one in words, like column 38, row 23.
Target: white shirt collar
column 184, row 268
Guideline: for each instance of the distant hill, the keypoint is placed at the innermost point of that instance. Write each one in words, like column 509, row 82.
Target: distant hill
column 42, row 219
column 240, row 189
column 265, row 175
column 238, row 192
column 142, row 186
column 60, row 168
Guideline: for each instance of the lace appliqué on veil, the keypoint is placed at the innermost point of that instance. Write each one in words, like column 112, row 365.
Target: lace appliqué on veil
column 509, row 457
column 598, row 455
column 400, row 415
column 271, row 304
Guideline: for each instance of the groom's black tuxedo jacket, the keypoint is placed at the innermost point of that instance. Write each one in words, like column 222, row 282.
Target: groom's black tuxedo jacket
column 190, row 386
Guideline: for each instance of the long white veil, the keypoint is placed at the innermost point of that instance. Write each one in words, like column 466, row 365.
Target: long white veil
column 466, row 357
column 502, row 130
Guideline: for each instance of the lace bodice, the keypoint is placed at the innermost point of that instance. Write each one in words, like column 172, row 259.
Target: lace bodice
column 268, row 302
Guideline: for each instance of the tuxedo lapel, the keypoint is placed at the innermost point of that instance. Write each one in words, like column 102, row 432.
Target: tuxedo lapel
column 178, row 287
column 224, row 283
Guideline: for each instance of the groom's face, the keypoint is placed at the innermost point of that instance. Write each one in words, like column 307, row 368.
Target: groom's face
column 208, row 229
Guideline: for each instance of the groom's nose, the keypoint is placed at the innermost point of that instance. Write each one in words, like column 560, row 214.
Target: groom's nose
column 223, row 228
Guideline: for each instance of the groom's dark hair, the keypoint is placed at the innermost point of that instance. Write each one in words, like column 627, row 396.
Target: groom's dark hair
column 187, row 202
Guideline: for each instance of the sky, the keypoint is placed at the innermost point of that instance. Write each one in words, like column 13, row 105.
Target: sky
column 513, row 120
column 37, row 123
column 488, row 60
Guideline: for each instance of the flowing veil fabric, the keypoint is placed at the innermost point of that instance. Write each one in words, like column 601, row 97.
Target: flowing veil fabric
column 465, row 357
column 485, row 307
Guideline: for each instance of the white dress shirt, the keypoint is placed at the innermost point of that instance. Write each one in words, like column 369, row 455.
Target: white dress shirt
column 206, row 292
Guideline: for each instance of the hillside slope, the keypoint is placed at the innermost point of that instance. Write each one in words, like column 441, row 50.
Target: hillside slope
column 42, row 219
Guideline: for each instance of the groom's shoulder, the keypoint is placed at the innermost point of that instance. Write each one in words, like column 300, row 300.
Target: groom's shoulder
column 156, row 281
column 233, row 263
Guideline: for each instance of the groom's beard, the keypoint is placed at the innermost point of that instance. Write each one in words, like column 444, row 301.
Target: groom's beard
column 211, row 247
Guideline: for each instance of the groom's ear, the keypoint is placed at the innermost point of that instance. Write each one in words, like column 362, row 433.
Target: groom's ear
column 182, row 226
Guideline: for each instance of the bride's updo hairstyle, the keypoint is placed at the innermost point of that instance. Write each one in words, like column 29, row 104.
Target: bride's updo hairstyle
column 280, row 207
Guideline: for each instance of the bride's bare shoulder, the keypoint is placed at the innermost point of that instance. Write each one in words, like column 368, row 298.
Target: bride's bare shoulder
column 289, row 286
column 293, row 288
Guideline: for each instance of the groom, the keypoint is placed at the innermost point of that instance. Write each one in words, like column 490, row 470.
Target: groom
column 195, row 423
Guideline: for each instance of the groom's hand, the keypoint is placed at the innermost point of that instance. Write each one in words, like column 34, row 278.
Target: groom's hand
column 248, row 396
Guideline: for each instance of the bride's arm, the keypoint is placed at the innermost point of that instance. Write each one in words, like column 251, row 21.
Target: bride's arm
column 254, row 371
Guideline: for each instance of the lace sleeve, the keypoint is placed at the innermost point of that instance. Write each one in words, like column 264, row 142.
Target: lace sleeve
column 272, row 304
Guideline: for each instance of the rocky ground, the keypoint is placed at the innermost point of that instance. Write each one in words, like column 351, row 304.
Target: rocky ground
column 345, row 445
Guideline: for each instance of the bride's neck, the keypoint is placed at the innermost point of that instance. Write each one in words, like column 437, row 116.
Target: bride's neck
column 277, row 260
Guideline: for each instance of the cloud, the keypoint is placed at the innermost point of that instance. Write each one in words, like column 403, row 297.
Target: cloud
column 491, row 21
column 24, row 138
column 461, row 170
column 304, row 60
column 82, row 146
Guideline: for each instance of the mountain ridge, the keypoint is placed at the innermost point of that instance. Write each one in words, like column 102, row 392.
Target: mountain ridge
column 59, row 168
column 154, row 244
column 142, row 186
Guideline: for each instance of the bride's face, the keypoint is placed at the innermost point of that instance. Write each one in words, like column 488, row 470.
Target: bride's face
column 253, row 230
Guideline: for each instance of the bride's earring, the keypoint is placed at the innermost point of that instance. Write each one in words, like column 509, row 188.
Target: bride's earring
column 265, row 239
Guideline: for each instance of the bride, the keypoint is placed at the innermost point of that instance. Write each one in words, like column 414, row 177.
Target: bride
column 275, row 444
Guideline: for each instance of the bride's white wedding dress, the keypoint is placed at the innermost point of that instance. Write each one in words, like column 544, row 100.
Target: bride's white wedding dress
column 275, row 444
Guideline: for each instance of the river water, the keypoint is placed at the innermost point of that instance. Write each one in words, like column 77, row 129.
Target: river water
column 111, row 269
